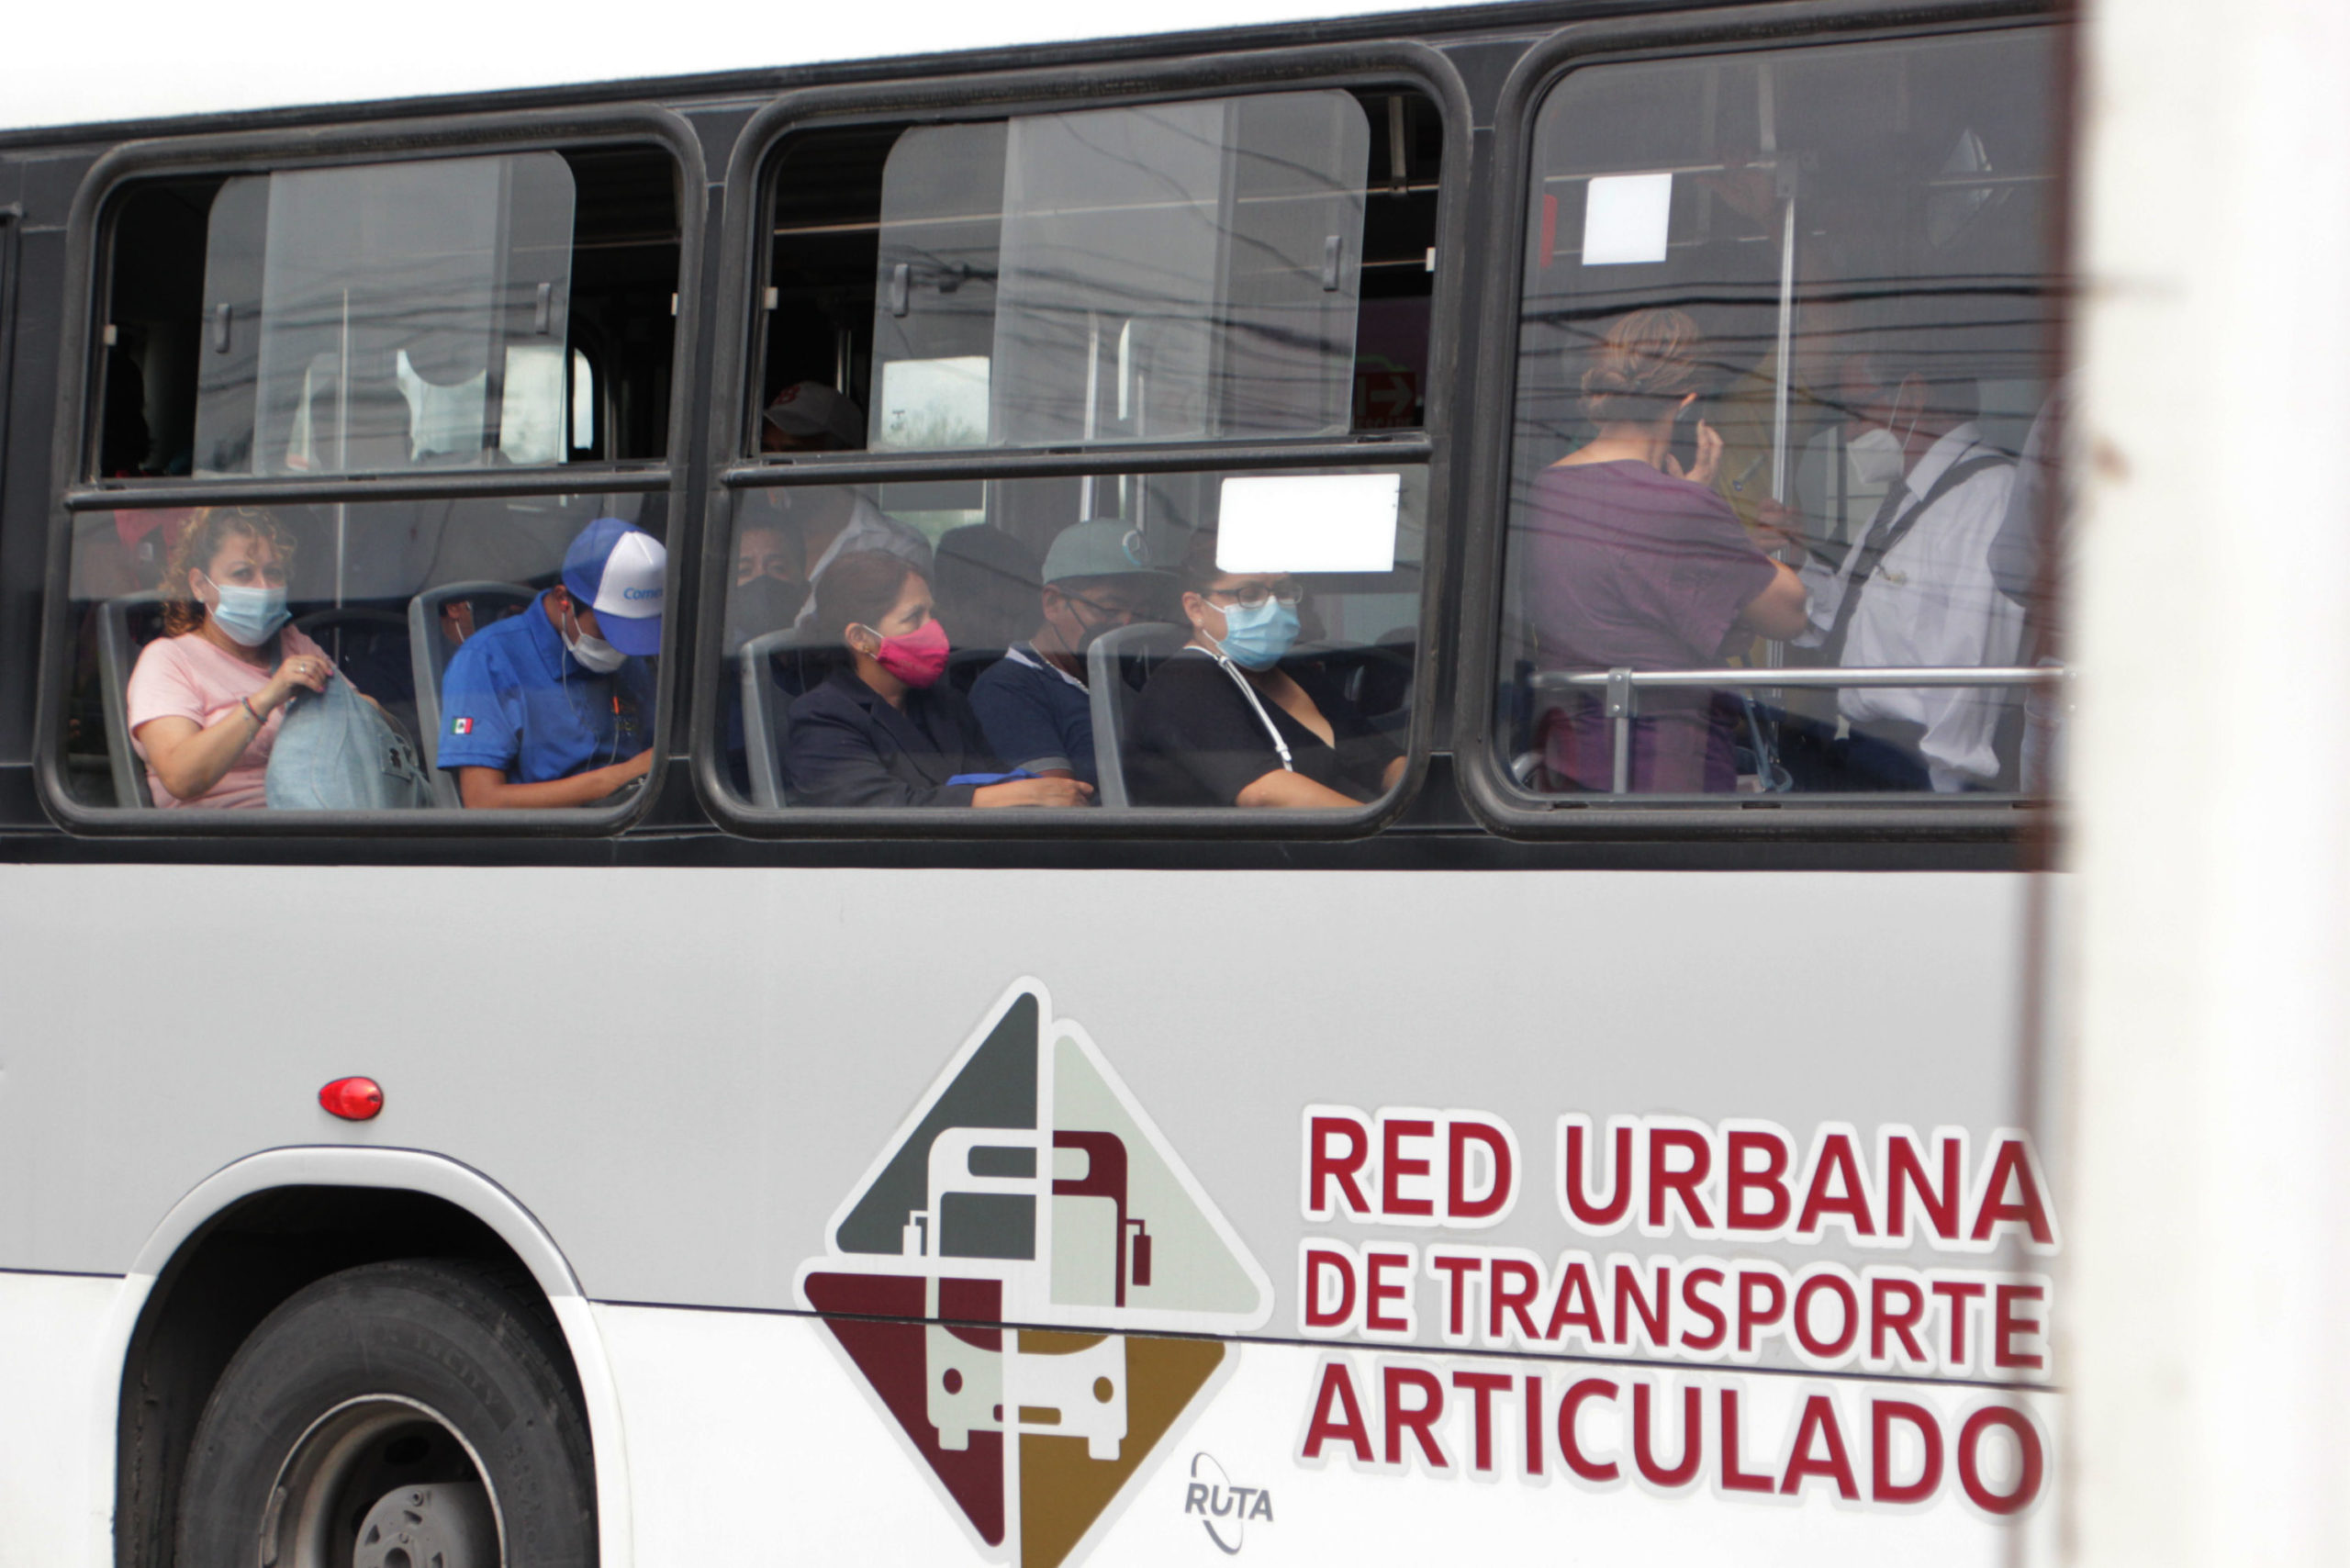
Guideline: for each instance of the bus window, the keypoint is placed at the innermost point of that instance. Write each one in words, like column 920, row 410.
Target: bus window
column 1049, row 592
column 237, row 649
column 1783, row 412
column 1234, row 269
column 386, row 593
column 1009, row 282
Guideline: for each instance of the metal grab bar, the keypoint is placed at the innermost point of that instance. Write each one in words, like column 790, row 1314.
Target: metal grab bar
column 1622, row 687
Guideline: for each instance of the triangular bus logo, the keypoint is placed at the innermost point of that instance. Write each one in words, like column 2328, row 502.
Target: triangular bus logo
column 995, row 1277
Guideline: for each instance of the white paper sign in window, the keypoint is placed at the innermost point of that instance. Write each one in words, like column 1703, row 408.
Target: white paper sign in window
column 1308, row 522
column 1626, row 219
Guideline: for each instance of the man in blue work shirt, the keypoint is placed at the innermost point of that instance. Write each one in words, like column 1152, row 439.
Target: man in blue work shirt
column 553, row 707
column 1033, row 702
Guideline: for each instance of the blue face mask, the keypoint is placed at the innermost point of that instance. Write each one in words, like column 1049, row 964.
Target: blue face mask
column 250, row 616
column 1256, row 639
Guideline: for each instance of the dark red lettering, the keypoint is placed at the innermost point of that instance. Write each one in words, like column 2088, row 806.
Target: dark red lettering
column 1319, row 1263
column 1569, row 1448
column 1457, row 1203
column 1378, row 1263
column 1459, row 1269
column 1693, row 1439
column 1666, row 1178
column 2006, row 1323
column 1323, row 1168
column 1482, row 1387
column 1703, row 1308
column 1597, row 1216
column 1574, row 1284
column 1336, row 1415
column 1818, row 1424
column 1418, row 1419
column 1883, row 1488
column 1849, row 1326
column 1957, row 1294
column 1903, row 1322
column 1733, row 1478
column 2011, row 1166
column 1655, row 1308
column 1905, row 1173
column 1393, row 1167
column 2032, row 1465
column 1511, row 1285
column 1743, row 1177
column 1752, row 1312
column 1848, row 1195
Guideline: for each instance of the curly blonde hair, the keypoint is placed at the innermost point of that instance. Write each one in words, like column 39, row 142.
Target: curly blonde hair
column 1644, row 366
column 199, row 543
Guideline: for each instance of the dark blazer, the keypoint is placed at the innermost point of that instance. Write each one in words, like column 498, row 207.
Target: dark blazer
column 843, row 746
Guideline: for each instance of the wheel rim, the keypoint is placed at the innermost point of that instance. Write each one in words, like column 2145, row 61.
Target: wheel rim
column 371, row 1461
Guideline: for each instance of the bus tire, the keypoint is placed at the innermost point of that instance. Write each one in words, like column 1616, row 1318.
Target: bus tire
column 390, row 1412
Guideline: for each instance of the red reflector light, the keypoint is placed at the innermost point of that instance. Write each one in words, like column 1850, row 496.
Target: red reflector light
column 352, row 1098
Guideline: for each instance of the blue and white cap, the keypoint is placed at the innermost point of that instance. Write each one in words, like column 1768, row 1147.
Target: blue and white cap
column 618, row 571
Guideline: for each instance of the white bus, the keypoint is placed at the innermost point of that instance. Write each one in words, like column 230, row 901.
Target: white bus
column 1511, row 1017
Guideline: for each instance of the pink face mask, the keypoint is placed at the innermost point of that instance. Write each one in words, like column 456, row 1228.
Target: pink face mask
column 917, row 657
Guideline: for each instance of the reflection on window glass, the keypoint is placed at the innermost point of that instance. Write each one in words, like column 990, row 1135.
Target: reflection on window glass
column 1167, row 640
column 390, row 656
column 386, row 316
column 1784, row 403
column 1239, row 267
column 435, row 314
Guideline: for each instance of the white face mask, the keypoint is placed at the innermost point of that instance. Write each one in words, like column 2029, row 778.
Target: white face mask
column 593, row 652
column 1876, row 456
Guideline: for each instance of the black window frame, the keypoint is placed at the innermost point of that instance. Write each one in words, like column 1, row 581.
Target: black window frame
column 76, row 486
column 1498, row 803
column 743, row 259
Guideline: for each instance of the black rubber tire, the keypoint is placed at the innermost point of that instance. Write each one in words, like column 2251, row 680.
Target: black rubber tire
column 459, row 1337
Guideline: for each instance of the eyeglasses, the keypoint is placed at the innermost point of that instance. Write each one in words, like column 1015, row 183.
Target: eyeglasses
column 1250, row 595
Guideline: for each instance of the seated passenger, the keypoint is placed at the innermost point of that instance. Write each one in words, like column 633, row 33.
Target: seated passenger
column 206, row 697
column 1631, row 563
column 768, row 591
column 884, row 732
column 1033, row 702
column 1226, row 723
column 553, row 707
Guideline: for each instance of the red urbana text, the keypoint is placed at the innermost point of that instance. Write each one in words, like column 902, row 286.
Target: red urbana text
column 1734, row 1180
column 1672, row 1434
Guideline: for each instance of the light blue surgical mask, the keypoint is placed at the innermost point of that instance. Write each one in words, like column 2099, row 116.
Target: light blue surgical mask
column 1256, row 638
column 247, row 616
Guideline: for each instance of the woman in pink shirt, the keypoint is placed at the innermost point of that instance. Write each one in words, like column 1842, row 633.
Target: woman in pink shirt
column 207, row 696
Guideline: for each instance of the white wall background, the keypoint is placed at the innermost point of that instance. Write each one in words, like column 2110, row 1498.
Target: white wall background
column 2212, row 1220
column 65, row 64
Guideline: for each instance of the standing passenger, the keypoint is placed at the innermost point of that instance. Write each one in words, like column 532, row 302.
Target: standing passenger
column 553, row 707
column 1633, row 564
column 1916, row 589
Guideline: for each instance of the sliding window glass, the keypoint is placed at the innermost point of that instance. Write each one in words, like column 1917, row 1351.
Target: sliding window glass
column 1005, row 608
column 1785, row 427
column 380, row 487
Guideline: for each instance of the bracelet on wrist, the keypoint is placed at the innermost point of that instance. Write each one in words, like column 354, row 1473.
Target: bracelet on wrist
column 250, row 711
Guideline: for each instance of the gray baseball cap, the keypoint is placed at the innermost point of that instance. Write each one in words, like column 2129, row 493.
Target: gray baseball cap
column 1098, row 549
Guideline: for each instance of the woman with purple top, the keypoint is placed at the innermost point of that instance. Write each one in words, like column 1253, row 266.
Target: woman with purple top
column 1633, row 564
